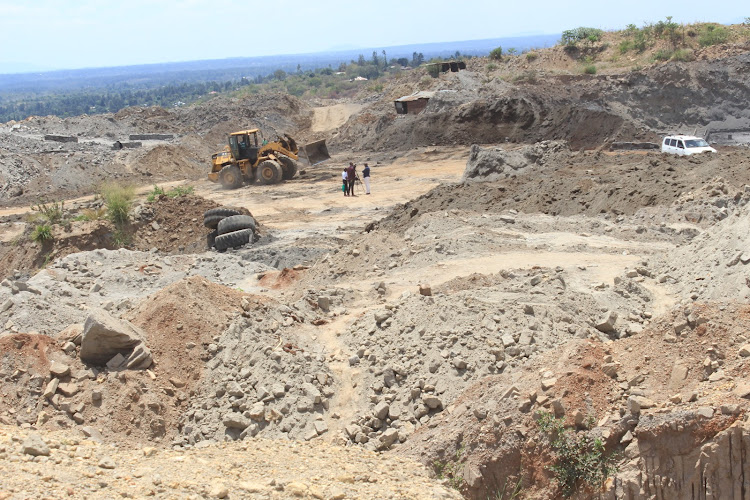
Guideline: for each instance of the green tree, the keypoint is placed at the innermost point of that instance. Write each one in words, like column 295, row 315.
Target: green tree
column 496, row 53
column 279, row 74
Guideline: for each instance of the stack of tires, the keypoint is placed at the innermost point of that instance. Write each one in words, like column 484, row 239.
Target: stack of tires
column 231, row 229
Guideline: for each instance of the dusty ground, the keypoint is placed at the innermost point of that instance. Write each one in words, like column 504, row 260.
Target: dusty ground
column 433, row 319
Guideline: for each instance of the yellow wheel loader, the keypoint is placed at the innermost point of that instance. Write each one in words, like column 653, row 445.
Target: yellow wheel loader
column 246, row 159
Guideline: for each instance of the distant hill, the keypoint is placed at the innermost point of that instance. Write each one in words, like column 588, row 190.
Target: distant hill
column 151, row 75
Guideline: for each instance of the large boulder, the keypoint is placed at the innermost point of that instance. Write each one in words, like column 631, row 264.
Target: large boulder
column 497, row 163
column 105, row 336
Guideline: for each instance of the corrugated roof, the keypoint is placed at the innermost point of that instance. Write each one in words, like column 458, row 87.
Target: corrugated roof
column 422, row 94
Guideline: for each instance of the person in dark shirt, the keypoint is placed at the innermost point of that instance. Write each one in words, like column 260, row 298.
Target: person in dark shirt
column 366, row 177
column 351, row 175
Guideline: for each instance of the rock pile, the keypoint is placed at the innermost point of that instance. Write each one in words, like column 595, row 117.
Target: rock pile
column 491, row 164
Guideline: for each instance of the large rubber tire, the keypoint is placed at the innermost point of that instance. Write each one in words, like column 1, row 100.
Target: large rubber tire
column 269, row 172
column 289, row 167
column 225, row 211
column 212, row 217
column 234, row 239
column 211, row 239
column 212, row 221
column 230, row 177
column 235, row 223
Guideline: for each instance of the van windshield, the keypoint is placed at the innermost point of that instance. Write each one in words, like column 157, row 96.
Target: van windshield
column 696, row 143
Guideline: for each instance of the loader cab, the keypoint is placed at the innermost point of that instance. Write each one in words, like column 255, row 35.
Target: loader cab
column 244, row 145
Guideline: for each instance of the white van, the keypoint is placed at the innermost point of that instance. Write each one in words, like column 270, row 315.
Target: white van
column 685, row 145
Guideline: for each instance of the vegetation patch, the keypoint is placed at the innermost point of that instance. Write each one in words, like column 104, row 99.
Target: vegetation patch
column 713, row 34
column 579, row 459
column 452, row 469
column 118, row 198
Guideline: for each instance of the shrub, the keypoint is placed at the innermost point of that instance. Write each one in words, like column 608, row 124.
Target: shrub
column 641, row 40
column 579, row 459
column 683, row 55
column 713, row 34
column 532, row 56
column 154, row 194
column 590, row 69
column 42, row 233
column 452, row 470
column 118, row 199
column 625, row 46
column 491, row 67
column 663, row 55
column 53, row 212
column 496, row 54
column 529, row 76
column 433, row 70
column 178, row 191
column 121, row 238
column 89, row 214
column 571, row 37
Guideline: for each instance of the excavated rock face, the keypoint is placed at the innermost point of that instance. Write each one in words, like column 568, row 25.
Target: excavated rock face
column 496, row 163
column 674, row 460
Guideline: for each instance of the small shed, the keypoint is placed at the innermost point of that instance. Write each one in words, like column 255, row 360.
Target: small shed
column 413, row 104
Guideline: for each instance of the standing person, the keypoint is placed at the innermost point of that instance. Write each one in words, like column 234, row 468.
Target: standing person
column 351, row 176
column 366, row 176
column 344, row 186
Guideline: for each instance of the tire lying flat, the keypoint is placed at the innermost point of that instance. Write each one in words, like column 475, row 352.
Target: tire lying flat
column 211, row 239
column 224, row 211
column 233, row 239
column 235, row 223
column 212, row 217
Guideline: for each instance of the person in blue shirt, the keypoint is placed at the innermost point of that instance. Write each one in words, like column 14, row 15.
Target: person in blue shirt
column 366, row 177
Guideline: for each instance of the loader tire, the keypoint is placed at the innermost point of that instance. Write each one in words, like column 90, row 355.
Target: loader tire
column 289, row 166
column 233, row 239
column 235, row 223
column 211, row 239
column 223, row 211
column 212, row 221
column 212, row 217
column 269, row 172
column 230, row 177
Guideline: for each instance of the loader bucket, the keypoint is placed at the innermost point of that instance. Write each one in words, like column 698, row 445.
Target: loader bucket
column 315, row 152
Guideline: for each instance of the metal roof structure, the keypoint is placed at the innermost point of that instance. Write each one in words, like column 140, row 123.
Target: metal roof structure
column 422, row 94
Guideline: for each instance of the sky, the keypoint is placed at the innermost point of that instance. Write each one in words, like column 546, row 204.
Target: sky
column 66, row 34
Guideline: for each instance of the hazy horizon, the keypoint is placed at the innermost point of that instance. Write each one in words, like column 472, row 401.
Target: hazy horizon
column 49, row 35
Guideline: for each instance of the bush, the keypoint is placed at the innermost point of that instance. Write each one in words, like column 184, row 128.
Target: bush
column 529, row 76
column 118, row 199
column 684, row 55
column 53, row 213
column 433, row 70
column 452, row 470
column 571, row 37
column 42, row 233
column 89, row 214
column 663, row 55
column 178, row 191
column 496, row 54
column 532, row 56
column 625, row 46
column 491, row 67
column 579, row 459
column 154, row 194
column 713, row 34
column 590, row 69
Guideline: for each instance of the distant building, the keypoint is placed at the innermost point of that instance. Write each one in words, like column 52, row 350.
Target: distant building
column 413, row 104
